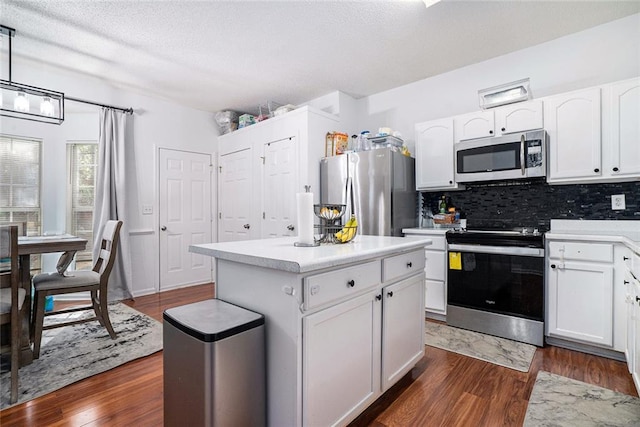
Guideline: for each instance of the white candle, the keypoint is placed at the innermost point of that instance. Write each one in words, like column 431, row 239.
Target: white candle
column 305, row 217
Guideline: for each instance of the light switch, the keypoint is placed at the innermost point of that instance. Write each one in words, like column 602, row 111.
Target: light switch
column 147, row 209
column 617, row 202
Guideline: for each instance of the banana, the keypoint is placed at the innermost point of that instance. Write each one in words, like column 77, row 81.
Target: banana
column 349, row 230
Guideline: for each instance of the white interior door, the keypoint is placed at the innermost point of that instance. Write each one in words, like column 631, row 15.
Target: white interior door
column 279, row 188
column 185, row 217
column 235, row 196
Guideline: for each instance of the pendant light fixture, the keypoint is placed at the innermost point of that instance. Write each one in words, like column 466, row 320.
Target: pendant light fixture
column 16, row 99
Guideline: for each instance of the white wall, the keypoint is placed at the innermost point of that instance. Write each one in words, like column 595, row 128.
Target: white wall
column 603, row 54
column 156, row 123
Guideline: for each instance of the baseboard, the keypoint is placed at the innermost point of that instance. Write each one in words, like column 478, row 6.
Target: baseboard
column 585, row 348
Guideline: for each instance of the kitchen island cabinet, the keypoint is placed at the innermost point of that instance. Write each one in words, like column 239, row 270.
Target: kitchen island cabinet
column 343, row 322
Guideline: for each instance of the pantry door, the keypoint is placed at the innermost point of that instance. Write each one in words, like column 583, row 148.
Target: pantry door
column 185, row 217
column 236, row 217
column 279, row 188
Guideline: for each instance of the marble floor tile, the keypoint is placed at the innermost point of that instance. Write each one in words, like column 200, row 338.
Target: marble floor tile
column 500, row 351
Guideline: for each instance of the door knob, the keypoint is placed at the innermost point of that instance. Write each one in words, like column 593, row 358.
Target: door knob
column 409, row 265
column 163, row 228
column 290, row 227
column 390, row 294
column 351, row 283
column 378, row 297
column 247, row 226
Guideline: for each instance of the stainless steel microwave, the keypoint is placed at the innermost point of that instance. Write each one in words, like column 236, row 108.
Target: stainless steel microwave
column 514, row 156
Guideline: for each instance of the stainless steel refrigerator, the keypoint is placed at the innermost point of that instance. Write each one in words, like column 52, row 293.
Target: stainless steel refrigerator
column 384, row 191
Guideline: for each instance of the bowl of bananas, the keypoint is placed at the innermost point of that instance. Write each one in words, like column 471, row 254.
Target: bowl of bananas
column 348, row 232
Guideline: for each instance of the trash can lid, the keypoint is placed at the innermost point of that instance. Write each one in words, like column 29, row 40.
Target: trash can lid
column 212, row 320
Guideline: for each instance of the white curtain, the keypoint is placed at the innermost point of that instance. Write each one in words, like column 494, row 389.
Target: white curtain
column 110, row 198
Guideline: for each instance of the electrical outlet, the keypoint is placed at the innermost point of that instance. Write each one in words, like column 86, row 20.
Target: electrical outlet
column 147, row 209
column 617, row 202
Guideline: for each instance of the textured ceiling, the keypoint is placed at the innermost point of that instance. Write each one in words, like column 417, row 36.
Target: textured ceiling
column 215, row 55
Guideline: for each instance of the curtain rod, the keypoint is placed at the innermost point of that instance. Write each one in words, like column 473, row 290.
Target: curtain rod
column 125, row 110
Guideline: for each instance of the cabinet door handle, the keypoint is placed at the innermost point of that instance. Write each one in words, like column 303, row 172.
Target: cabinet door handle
column 626, row 282
column 290, row 227
column 490, row 132
column 351, row 283
column 616, row 169
column 390, row 294
column 637, row 298
column 553, row 266
column 409, row 265
column 378, row 297
column 247, row 226
column 163, row 228
column 624, row 258
column 503, row 129
column 596, row 170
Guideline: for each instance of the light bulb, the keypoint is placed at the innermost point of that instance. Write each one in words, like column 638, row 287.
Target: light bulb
column 21, row 103
column 46, row 106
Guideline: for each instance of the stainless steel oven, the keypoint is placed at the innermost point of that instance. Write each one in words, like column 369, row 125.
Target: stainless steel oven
column 495, row 283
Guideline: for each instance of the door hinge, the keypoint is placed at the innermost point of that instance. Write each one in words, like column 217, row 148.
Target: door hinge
column 220, row 169
column 262, row 157
column 219, row 215
column 263, row 215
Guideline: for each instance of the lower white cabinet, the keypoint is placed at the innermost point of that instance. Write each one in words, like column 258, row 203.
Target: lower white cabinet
column 435, row 297
column 341, row 347
column 580, row 292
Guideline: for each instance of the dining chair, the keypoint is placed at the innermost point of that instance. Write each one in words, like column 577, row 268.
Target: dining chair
column 94, row 280
column 11, row 298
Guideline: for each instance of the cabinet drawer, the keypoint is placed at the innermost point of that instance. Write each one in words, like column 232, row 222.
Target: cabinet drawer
column 402, row 265
column 339, row 284
column 602, row 252
column 435, row 267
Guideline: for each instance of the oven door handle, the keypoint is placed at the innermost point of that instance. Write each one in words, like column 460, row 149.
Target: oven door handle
column 500, row 250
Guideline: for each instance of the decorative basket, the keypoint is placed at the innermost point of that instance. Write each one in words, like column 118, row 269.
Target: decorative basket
column 329, row 212
column 444, row 218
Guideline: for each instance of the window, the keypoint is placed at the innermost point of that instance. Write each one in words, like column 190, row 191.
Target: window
column 20, row 185
column 82, row 159
column 20, row 182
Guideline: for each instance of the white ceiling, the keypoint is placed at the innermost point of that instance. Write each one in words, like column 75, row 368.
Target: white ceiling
column 215, row 55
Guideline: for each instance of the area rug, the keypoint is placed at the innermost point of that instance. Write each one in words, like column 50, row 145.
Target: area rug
column 499, row 351
column 76, row 352
column 560, row 401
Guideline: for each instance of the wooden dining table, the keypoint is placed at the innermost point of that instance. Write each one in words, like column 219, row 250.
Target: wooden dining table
column 32, row 245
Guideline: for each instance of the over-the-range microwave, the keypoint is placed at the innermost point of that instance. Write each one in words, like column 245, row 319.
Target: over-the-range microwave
column 514, row 156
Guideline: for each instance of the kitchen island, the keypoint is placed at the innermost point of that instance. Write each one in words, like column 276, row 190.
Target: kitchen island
column 343, row 322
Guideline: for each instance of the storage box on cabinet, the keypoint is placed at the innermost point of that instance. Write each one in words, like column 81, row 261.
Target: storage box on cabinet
column 336, row 285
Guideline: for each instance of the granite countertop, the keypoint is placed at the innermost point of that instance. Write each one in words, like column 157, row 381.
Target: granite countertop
column 281, row 254
column 627, row 232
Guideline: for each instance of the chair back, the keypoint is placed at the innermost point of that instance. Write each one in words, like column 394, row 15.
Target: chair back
column 22, row 226
column 108, row 248
column 9, row 260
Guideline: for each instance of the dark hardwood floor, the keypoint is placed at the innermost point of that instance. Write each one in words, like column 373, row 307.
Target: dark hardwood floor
column 445, row 389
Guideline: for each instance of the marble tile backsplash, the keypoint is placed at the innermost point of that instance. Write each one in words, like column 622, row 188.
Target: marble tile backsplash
column 534, row 203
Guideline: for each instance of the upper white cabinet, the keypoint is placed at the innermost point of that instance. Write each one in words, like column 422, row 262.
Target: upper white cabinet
column 573, row 124
column 519, row 117
column 478, row 124
column 435, row 163
column 263, row 166
column 594, row 134
column 621, row 114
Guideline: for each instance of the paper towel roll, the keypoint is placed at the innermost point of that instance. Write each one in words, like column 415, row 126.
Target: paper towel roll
column 304, row 203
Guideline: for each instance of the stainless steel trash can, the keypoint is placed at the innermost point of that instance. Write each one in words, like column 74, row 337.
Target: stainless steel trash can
column 214, row 365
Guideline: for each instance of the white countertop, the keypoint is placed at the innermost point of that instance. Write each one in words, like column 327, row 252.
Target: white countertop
column 623, row 231
column 281, row 254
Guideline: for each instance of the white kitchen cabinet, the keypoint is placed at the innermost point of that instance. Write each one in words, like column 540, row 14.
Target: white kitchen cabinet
column 580, row 292
column 435, row 162
column 574, row 126
column 402, row 336
column 630, row 313
column 277, row 147
column 341, row 362
column 519, row 117
column 635, row 373
column 435, row 300
column 478, row 124
column 621, row 129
